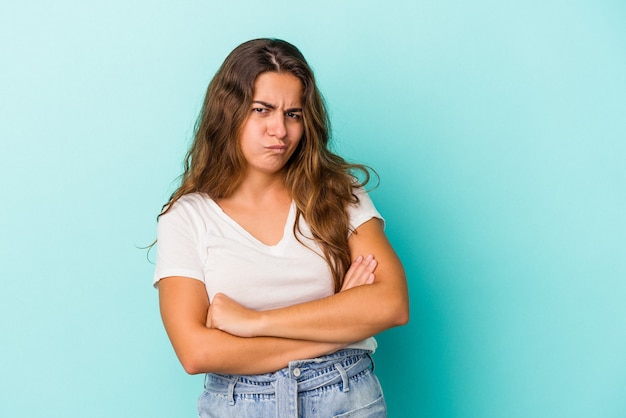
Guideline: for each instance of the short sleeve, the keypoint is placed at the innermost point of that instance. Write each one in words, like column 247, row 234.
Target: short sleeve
column 362, row 211
column 178, row 251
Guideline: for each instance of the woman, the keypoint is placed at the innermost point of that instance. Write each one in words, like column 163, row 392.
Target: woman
column 270, row 252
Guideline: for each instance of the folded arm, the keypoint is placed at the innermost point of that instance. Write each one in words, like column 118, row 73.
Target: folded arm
column 350, row 315
column 184, row 303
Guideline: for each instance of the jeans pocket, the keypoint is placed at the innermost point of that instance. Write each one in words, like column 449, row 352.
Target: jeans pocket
column 376, row 409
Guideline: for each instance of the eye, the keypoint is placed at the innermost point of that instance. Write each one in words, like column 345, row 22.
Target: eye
column 259, row 110
column 293, row 115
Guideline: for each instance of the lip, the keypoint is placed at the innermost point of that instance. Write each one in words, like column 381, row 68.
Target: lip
column 277, row 147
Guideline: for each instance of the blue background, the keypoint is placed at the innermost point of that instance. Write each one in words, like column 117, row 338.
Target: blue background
column 497, row 128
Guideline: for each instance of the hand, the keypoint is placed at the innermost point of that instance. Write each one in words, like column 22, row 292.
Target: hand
column 361, row 272
column 227, row 315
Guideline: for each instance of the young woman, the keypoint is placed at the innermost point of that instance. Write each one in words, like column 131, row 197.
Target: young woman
column 273, row 269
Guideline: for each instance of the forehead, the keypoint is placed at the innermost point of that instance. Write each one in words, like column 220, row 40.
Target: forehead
column 278, row 88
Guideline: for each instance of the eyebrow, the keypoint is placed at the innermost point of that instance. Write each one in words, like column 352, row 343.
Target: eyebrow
column 271, row 106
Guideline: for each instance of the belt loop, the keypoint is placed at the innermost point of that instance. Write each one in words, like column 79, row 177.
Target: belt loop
column 344, row 377
column 286, row 396
column 371, row 360
column 206, row 377
column 231, row 390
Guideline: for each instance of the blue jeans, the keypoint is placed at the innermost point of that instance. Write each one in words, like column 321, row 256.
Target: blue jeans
column 339, row 385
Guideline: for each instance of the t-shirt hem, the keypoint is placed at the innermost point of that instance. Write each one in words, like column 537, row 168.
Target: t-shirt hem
column 192, row 274
column 370, row 344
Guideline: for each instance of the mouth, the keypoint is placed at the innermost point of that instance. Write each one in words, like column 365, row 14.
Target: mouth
column 280, row 148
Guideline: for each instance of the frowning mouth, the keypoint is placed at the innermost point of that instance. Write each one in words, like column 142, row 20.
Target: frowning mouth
column 277, row 147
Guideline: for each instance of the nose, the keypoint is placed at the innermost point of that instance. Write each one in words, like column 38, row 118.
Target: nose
column 276, row 126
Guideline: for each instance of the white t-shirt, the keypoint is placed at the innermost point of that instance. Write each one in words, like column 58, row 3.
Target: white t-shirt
column 197, row 239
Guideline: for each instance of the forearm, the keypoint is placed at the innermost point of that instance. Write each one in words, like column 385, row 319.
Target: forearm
column 212, row 351
column 184, row 304
column 346, row 317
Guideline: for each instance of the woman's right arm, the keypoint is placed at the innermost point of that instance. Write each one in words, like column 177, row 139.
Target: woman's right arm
column 184, row 305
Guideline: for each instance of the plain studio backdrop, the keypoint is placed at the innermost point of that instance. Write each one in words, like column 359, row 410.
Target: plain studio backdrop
column 498, row 129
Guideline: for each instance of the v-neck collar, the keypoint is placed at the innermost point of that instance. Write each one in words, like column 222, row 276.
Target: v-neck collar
column 286, row 229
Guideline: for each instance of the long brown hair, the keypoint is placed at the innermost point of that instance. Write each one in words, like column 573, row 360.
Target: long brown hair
column 320, row 182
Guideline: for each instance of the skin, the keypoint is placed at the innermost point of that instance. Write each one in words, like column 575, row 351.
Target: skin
column 224, row 336
column 274, row 127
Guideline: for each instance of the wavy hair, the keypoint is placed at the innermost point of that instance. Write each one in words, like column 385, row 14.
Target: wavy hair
column 320, row 182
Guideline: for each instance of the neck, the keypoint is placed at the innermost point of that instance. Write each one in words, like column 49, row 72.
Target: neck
column 261, row 187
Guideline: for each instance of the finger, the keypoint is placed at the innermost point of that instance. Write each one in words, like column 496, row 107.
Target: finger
column 351, row 272
column 365, row 266
column 371, row 266
column 360, row 272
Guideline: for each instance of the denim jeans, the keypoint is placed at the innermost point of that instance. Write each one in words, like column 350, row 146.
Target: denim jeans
column 341, row 385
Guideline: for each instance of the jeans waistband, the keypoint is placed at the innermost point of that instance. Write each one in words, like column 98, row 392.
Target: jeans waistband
column 298, row 376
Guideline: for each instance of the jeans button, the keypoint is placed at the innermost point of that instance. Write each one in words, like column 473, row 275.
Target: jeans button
column 296, row 372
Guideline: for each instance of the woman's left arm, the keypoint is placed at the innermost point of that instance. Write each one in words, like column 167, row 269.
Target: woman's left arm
column 348, row 316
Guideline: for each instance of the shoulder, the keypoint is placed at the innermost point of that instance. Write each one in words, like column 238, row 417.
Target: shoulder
column 192, row 200
column 361, row 193
column 188, row 204
column 190, row 211
column 363, row 200
column 363, row 209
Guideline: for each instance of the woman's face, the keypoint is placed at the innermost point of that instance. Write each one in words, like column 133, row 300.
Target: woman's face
column 274, row 125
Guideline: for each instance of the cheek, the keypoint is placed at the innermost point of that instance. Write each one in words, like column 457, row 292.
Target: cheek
column 297, row 132
column 298, row 143
column 297, row 139
column 250, row 134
